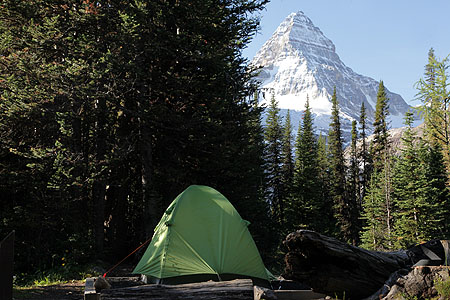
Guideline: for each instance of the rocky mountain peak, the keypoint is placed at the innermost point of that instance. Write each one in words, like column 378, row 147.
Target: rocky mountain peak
column 303, row 32
column 299, row 61
column 296, row 32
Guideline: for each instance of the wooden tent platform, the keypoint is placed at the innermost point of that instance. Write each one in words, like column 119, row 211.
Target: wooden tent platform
column 234, row 289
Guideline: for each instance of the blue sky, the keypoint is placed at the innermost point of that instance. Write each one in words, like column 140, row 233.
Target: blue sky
column 386, row 39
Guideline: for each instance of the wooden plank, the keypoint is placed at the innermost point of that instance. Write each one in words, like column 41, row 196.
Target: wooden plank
column 89, row 290
column 234, row 289
column 7, row 266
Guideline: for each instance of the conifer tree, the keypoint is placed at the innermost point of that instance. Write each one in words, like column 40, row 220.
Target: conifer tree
column 96, row 93
column 257, row 211
column 420, row 196
column 273, row 136
column 354, row 165
column 381, row 161
column 342, row 205
column 435, row 96
column 427, row 93
column 287, row 165
column 363, row 154
column 373, row 235
column 287, row 178
column 437, row 191
column 380, row 144
column 411, row 209
column 307, row 185
column 353, row 184
column 327, row 219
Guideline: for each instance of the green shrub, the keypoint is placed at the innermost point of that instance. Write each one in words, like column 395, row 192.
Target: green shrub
column 443, row 287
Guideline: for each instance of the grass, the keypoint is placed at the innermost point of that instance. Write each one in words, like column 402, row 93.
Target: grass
column 62, row 274
column 43, row 289
column 32, row 285
column 443, row 288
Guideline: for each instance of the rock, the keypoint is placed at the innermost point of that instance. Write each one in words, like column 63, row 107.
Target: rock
column 101, row 284
column 418, row 283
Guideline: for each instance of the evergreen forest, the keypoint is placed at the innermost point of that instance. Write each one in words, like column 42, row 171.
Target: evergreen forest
column 109, row 109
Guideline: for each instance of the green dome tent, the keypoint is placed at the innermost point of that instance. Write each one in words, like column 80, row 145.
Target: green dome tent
column 201, row 237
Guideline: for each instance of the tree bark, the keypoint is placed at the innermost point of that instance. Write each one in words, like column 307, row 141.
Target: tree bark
column 235, row 289
column 99, row 184
column 335, row 268
column 330, row 266
column 150, row 199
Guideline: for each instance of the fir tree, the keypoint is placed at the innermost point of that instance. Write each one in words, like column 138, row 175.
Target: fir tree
column 381, row 159
column 437, row 193
column 420, row 195
column 327, row 219
column 273, row 136
column 411, row 210
column 96, row 94
column 353, row 185
column 342, row 205
column 380, row 144
column 363, row 154
column 373, row 235
column 307, row 184
column 287, row 165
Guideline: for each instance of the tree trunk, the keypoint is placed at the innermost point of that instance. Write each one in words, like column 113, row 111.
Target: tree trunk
column 235, row 289
column 99, row 185
column 332, row 267
column 150, row 199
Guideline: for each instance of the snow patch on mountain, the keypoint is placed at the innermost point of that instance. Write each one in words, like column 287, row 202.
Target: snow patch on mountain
column 299, row 62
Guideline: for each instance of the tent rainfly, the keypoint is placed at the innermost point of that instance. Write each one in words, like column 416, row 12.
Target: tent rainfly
column 201, row 237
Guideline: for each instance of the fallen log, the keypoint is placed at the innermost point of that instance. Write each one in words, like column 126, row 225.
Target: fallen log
column 234, row 289
column 332, row 267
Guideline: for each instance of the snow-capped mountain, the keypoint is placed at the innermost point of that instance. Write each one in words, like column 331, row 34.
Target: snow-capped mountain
column 299, row 61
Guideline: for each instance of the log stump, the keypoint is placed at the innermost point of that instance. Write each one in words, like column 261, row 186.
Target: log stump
column 332, row 267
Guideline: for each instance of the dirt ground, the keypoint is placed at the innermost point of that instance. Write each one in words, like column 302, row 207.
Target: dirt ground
column 70, row 290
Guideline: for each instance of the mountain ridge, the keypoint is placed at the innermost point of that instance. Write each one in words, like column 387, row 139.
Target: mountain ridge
column 299, row 61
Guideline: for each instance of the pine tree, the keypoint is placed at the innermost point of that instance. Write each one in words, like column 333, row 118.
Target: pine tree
column 373, row 235
column 411, row 210
column 273, row 136
column 327, row 219
column 381, row 159
column 380, row 144
column 435, row 96
column 342, row 206
column 255, row 208
column 363, row 154
column 420, row 196
column 287, row 164
column 353, row 185
column 96, row 95
column 307, row 184
column 436, row 192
